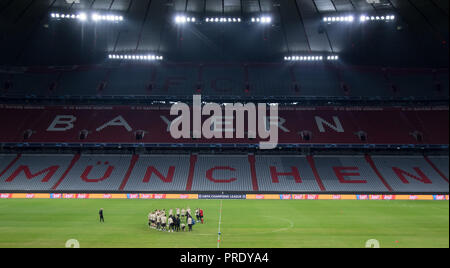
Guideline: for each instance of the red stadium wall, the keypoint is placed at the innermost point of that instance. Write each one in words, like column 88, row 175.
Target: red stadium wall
column 327, row 125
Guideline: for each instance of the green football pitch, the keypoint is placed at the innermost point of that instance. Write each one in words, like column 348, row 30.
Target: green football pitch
column 244, row 223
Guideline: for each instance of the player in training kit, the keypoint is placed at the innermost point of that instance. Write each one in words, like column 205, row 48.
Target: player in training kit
column 190, row 223
column 201, row 215
column 154, row 219
column 177, row 223
column 163, row 223
column 197, row 214
column 170, row 221
column 188, row 212
column 158, row 221
column 102, row 219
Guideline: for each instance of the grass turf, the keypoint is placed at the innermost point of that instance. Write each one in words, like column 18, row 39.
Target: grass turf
column 245, row 223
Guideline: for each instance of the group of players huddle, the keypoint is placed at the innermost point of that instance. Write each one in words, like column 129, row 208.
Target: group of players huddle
column 174, row 223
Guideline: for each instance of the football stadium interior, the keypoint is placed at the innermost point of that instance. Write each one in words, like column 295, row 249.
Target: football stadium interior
column 361, row 89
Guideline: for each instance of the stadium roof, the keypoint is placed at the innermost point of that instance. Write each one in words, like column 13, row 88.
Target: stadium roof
column 417, row 37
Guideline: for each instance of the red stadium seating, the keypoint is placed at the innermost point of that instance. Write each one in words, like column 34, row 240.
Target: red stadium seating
column 325, row 125
column 224, row 173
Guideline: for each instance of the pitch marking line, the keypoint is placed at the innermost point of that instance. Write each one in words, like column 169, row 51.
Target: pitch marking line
column 291, row 225
column 220, row 222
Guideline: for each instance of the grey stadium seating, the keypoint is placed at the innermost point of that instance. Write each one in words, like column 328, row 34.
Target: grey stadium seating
column 224, row 80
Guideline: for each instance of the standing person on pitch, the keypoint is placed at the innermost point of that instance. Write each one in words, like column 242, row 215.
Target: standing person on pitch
column 190, row 223
column 158, row 220
column 197, row 214
column 201, row 215
column 102, row 219
column 170, row 221
column 188, row 212
column 163, row 223
column 153, row 219
column 183, row 213
column 150, row 217
column 177, row 223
